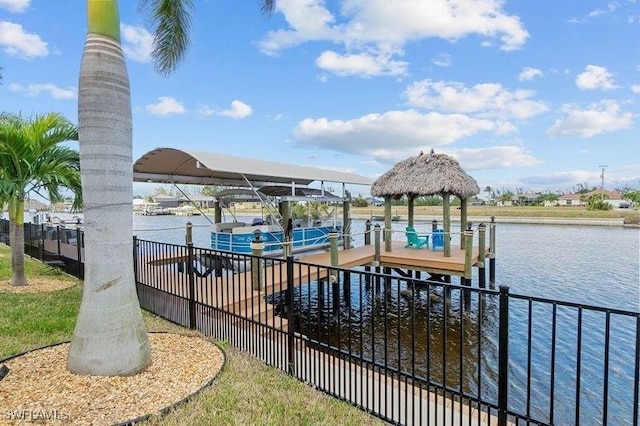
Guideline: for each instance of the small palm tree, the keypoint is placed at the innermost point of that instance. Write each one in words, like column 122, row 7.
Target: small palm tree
column 33, row 161
column 110, row 338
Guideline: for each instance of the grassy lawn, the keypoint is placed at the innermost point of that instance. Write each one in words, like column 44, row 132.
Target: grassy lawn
column 483, row 211
column 247, row 392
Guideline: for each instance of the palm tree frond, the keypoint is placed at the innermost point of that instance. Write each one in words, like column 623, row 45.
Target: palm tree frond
column 268, row 6
column 171, row 23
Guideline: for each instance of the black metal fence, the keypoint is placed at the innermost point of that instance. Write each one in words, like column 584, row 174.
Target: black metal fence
column 405, row 349
column 55, row 245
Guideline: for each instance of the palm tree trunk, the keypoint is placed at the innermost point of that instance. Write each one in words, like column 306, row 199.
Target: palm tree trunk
column 16, row 235
column 110, row 337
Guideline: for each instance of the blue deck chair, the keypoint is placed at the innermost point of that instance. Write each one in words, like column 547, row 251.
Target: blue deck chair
column 413, row 241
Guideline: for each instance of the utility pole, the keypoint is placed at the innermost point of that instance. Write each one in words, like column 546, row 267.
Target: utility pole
column 602, row 176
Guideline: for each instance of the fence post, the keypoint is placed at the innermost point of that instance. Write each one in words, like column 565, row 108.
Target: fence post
column 135, row 260
column 290, row 320
column 192, row 287
column 189, row 233
column 41, row 242
column 78, row 249
column 503, row 356
column 257, row 250
column 58, row 235
column 377, row 242
column 492, row 252
column 367, row 233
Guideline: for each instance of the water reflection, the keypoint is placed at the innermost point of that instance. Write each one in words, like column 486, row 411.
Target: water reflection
column 406, row 326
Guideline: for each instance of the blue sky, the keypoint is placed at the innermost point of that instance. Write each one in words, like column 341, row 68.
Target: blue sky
column 525, row 94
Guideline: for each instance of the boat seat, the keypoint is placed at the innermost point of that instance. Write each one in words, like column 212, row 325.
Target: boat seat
column 413, row 240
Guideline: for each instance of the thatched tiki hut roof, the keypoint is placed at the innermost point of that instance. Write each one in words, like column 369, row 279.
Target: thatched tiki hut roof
column 428, row 174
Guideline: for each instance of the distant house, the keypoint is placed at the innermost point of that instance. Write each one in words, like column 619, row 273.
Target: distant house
column 376, row 202
column 614, row 198
column 518, row 200
column 475, row 201
column 168, row 201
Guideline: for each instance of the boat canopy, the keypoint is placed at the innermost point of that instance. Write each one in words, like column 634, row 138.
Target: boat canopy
column 183, row 166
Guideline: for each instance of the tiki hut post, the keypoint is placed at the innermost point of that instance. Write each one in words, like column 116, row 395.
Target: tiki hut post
column 463, row 220
column 346, row 228
column 387, row 223
column 410, row 208
column 446, row 224
column 217, row 211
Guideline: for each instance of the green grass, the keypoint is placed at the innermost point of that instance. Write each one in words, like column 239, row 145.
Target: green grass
column 247, row 391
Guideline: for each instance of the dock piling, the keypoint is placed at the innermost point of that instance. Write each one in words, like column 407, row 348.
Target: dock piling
column 468, row 256
column 482, row 275
column 492, row 252
column 257, row 250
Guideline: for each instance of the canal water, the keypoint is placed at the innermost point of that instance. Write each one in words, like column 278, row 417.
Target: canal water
column 591, row 265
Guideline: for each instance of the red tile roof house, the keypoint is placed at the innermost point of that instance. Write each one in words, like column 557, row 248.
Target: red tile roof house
column 572, row 200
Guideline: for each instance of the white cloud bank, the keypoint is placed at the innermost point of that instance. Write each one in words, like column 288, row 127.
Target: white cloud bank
column 15, row 41
column 486, row 99
column 166, row 106
column 36, row 89
column 595, row 77
column 373, row 32
column 410, row 131
column 601, row 117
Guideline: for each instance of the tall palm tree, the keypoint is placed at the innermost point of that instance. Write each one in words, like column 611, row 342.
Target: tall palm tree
column 33, row 161
column 110, row 338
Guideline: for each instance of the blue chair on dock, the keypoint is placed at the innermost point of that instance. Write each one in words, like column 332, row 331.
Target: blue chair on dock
column 438, row 240
column 414, row 241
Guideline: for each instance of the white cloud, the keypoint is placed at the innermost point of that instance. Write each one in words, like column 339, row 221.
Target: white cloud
column 389, row 136
column 50, row 88
column 487, row 99
column 362, row 64
column 595, row 77
column 206, row 111
column 611, row 7
column 529, row 73
column 602, row 117
column 137, row 43
column 384, row 27
column 167, row 105
column 495, row 157
column 635, row 88
column 442, row 60
column 237, row 111
column 564, row 178
column 15, row 41
column 15, row 6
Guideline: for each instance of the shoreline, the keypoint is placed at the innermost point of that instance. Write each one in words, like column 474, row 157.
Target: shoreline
column 520, row 220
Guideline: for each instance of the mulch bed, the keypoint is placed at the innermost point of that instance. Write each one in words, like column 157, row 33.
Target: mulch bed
column 37, row 285
column 39, row 389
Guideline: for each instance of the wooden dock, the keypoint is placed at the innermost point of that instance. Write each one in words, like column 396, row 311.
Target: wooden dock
column 235, row 293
